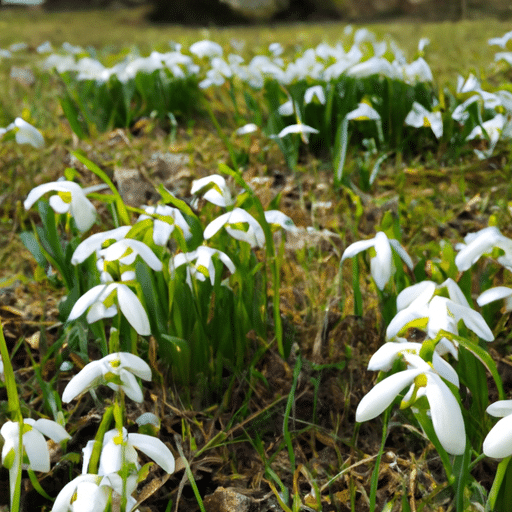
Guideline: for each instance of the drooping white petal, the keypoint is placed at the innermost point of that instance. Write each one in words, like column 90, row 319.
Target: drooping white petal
column 382, row 395
column 385, row 356
column 395, row 244
column 381, row 263
column 51, row 429
column 445, row 369
column 498, row 443
column 154, row 449
column 404, row 317
column 90, row 375
column 131, row 362
column 500, row 408
column 37, row 450
column 472, row 319
column 496, row 293
column 27, row 134
column 416, row 295
column 133, row 310
column 455, row 293
column 58, row 204
column 356, row 248
column 130, row 386
column 117, row 251
column 446, row 415
column 296, row 128
column 363, row 112
column 86, row 300
column 278, row 218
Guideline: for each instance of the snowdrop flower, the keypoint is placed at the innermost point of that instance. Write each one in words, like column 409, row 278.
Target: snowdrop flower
column 96, row 242
column 33, row 441
column 498, row 443
column 100, row 302
column 363, row 112
column 92, row 493
column 247, row 128
column 45, row 47
column 70, row 199
column 300, row 128
column 419, row 116
column 125, row 251
column 254, row 234
column 116, row 370
column 418, row 71
column 420, row 301
column 493, row 128
column 286, row 109
column 423, row 380
column 382, row 263
column 34, row 445
column 214, row 190
column 315, row 91
column 373, row 66
column 25, row 133
column 280, row 220
column 500, row 41
column 206, row 48
column 482, row 242
column 200, row 263
column 115, row 442
column 162, row 229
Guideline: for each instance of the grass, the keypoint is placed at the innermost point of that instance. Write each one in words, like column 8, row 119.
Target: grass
column 255, row 438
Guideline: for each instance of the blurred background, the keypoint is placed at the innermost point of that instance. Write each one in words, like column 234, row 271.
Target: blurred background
column 235, row 12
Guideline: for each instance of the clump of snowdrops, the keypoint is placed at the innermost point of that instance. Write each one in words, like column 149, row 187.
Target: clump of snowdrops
column 441, row 384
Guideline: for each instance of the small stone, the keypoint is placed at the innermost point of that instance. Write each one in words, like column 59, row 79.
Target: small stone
column 227, row 500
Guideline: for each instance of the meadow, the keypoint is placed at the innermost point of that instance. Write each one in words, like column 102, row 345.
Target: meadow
column 260, row 267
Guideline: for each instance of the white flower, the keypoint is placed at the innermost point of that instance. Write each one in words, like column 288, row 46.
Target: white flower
column 115, row 442
column 482, row 242
column 214, row 189
column 247, row 128
column 27, row 134
column 498, row 443
column 33, row 442
column 420, row 301
column 206, row 48
column 115, row 370
column 500, row 41
column 96, row 242
column 253, row 235
column 300, row 128
column 165, row 219
column 424, row 380
column 382, row 263
column 493, row 128
column 92, row 493
column 311, row 92
column 200, row 263
column 125, row 251
column 363, row 112
column 419, row 116
column 70, row 198
column 100, row 301
column 279, row 219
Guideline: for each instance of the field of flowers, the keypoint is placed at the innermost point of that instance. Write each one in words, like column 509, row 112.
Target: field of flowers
column 239, row 269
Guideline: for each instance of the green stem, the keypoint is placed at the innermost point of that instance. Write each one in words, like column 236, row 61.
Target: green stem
column 15, row 411
column 375, row 474
column 496, row 485
column 289, row 404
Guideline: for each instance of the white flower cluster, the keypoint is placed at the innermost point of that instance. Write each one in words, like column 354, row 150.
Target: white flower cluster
column 435, row 308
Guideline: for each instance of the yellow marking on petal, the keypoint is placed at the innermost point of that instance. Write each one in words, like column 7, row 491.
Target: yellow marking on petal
column 115, row 363
column 202, row 270
column 65, row 196
column 426, row 122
